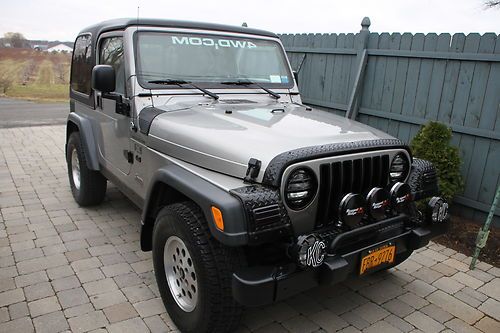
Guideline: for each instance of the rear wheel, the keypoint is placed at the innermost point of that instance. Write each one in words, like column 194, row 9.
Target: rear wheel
column 194, row 271
column 87, row 186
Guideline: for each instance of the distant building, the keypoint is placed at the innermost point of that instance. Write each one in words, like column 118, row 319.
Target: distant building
column 61, row 47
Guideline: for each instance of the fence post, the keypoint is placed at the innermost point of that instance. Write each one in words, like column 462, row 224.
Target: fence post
column 361, row 60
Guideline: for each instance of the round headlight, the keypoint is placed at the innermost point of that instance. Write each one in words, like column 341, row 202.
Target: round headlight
column 300, row 188
column 400, row 167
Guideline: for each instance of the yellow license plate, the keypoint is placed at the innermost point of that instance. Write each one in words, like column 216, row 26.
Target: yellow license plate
column 376, row 257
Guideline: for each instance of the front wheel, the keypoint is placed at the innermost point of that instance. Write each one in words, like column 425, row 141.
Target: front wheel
column 194, row 271
column 87, row 186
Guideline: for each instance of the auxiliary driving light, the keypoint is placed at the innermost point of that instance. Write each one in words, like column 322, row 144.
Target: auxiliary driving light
column 400, row 196
column 437, row 210
column 377, row 201
column 352, row 209
column 310, row 250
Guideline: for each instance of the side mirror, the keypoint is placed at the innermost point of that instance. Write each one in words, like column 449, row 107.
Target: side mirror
column 103, row 78
column 296, row 77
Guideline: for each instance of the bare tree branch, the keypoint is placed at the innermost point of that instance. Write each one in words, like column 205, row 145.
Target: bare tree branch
column 492, row 3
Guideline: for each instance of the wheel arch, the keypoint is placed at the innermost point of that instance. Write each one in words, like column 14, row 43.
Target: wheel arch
column 77, row 123
column 172, row 184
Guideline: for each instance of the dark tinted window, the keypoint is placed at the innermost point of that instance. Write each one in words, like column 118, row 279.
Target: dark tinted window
column 81, row 67
column 111, row 53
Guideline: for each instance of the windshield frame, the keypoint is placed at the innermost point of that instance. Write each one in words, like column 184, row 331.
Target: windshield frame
column 210, row 85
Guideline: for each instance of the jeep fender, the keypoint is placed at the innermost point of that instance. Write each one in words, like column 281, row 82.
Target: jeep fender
column 87, row 139
column 204, row 194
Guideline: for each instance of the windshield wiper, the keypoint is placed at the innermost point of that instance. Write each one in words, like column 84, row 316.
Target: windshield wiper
column 248, row 83
column 180, row 83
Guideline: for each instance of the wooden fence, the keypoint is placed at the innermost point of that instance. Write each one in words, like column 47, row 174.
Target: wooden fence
column 397, row 82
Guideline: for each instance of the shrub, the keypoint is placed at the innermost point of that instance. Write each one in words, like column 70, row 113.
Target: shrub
column 432, row 143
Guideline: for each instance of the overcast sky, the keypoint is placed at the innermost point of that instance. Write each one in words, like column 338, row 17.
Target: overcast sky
column 63, row 19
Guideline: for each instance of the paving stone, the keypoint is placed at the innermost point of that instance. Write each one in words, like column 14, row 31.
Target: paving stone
column 30, row 279
column 72, row 297
column 59, row 272
column 427, row 275
column 100, row 286
column 467, row 298
column 459, row 326
column 37, row 291
column 382, row 291
column 18, row 310
column 4, row 315
column 138, row 293
column 116, row 269
column 64, row 283
column 77, row 255
column 328, row 321
column 23, row 325
column 456, row 264
column 492, row 289
column 120, row 312
column 398, row 307
column 300, row 324
column 413, row 300
column 488, row 325
column 43, row 306
column 435, row 312
column 382, row 326
column 492, row 308
column 448, row 285
column 90, row 275
column 150, row 307
column 371, row 312
column 398, row 323
column 424, row 322
column 142, row 266
column 11, row 296
column 127, row 280
column 355, row 320
column 52, row 322
column 454, row 306
column 78, row 310
column 7, row 284
column 444, row 269
column 156, row 324
column 104, row 300
column 468, row 280
column 37, row 264
column 101, row 250
column 134, row 325
column 481, row 275
column 420, row 288
column 87, row 322
column 85, row 264
column 281, row 311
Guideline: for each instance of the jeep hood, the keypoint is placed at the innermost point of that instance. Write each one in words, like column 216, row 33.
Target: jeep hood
column 223, row 137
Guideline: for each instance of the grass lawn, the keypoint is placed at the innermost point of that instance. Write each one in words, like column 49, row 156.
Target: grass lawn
column 40, row 92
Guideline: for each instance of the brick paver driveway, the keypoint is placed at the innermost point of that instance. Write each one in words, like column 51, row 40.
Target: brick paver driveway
column 67, row 268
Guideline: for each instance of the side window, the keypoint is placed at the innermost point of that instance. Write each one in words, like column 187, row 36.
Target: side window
column 81, row 66
column 111, row 53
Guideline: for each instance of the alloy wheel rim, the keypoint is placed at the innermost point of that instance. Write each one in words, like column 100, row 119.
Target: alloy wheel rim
column 75, row 168
column 181, row 276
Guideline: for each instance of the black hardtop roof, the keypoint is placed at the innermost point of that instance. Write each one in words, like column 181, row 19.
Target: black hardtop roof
column 122, row 23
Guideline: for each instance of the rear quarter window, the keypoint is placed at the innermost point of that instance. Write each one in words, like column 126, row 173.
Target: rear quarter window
column 81, row 65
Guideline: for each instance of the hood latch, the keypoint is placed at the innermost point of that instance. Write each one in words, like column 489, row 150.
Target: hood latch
column 252, row 170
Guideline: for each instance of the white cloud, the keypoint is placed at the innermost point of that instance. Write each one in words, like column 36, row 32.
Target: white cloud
column 58, row 19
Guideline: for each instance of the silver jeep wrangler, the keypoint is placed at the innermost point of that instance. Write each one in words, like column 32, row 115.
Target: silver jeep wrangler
column 248, row 196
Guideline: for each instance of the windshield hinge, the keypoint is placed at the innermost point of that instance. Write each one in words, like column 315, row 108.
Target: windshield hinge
column 252, row 170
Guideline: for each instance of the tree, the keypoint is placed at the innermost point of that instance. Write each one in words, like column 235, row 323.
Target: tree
column 16, row 39
column 492, row 3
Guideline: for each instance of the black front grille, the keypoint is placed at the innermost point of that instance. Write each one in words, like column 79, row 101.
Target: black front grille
column 351, row 176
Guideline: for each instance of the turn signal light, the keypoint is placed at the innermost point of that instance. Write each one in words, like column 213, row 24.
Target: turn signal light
column 217, row 215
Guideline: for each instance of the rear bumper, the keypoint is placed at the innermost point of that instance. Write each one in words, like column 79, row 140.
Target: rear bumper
column 255, row 286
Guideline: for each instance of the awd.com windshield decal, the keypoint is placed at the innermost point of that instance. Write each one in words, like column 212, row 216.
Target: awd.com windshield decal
column 210, row 42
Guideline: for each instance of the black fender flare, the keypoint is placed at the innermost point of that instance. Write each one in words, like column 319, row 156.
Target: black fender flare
column 87, row 139
column 205, row 195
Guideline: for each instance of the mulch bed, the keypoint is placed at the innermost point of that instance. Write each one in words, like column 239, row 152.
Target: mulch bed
column 462, row 238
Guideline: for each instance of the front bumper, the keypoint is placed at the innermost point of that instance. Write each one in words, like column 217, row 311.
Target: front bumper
column 255, row 286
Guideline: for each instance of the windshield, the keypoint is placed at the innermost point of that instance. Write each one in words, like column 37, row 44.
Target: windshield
column 209, row 60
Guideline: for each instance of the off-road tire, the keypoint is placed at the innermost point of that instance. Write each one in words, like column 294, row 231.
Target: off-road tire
column 215, row 310
column 92, row 183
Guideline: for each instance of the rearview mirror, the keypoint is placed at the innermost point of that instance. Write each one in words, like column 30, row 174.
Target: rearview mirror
column 103, row 78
